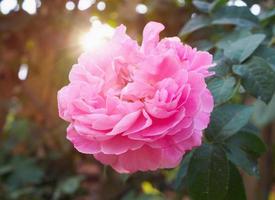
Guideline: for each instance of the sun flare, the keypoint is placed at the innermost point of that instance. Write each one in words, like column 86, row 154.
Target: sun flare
column 98, row 35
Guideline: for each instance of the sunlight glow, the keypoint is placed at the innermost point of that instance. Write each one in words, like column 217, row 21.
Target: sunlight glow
column 101, row 5
column 141, row 8
column 29, row 6
column 255, row 9
column 23, row 72
column 6, row 6
column 98, row 35
column 70, row 5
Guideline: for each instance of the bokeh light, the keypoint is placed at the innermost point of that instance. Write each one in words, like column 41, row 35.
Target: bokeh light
column 23, row 72
column 6, row 6
column 29, row 6
column 70, row 5
column 255, row 9
column 85, row 4
column 141, row 8
column 101, row 5
column 238, row 3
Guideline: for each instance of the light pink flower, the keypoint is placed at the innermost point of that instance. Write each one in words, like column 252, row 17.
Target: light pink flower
column 138, row 108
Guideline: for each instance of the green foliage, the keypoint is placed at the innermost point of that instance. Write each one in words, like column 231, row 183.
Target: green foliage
column 239, row 16
column 236, row 189
column 179, row 181
column 194, row 24
column 264, row 113
column 223, row 88
column 241, row 49
column 258, row 78
column 226, row 120
column 244, row 53
column 243, row 149
column 207, row 165
column 67, row 187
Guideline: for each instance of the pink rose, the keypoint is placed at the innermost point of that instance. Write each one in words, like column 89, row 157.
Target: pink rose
column 138, row 108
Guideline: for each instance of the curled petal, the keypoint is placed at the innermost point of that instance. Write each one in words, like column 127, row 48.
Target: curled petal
column 151, row 36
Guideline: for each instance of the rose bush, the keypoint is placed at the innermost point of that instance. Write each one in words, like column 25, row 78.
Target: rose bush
column 134, row 107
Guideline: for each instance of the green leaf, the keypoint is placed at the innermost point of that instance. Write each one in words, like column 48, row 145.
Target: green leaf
column 208, row 173
column 223, row 65
column 236, row 189
column 251, row 128
column 201, row 5
column 5, row 169
column 264, row 114
column 247, row 141
column 243, row 149
column 124, row 177
column 267, row 53
column 241, row 49
column 204, row 45
column 264, row 16
column 222, row 88
column 217, row 4
column 227, row 120
column 70, row 185
column 228, row 39
column 233, row 15
column 16, row 194
column 195, row 23
column 182, row 170
column 25, row 171
column 258, row 78
column 19, row 129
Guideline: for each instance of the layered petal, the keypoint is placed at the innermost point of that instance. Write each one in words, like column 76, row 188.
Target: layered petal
column 138, row 108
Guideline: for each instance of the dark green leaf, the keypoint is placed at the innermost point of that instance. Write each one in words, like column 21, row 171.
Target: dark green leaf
column 208, row 173
column 230, row 38
column 25, row 171
column 251, row 128
column 203, row 45
column 201, row 5
column 217, row 4
column 5, row 169
column 236, row 189
column 233, row 15
column 264, row 114
column 223, row 65
column 222, row 88
column 195, row 23
column 124, row 177
column 243, row 149
column 16, row 194
column 258, row 78
column 227, row 120
column 182, row 170
column 267, row 15
column 241, row 49
column 247, row 141
column 267, row 53
column 70, row 185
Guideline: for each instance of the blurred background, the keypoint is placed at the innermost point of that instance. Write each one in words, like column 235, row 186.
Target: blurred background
column 39, row 42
